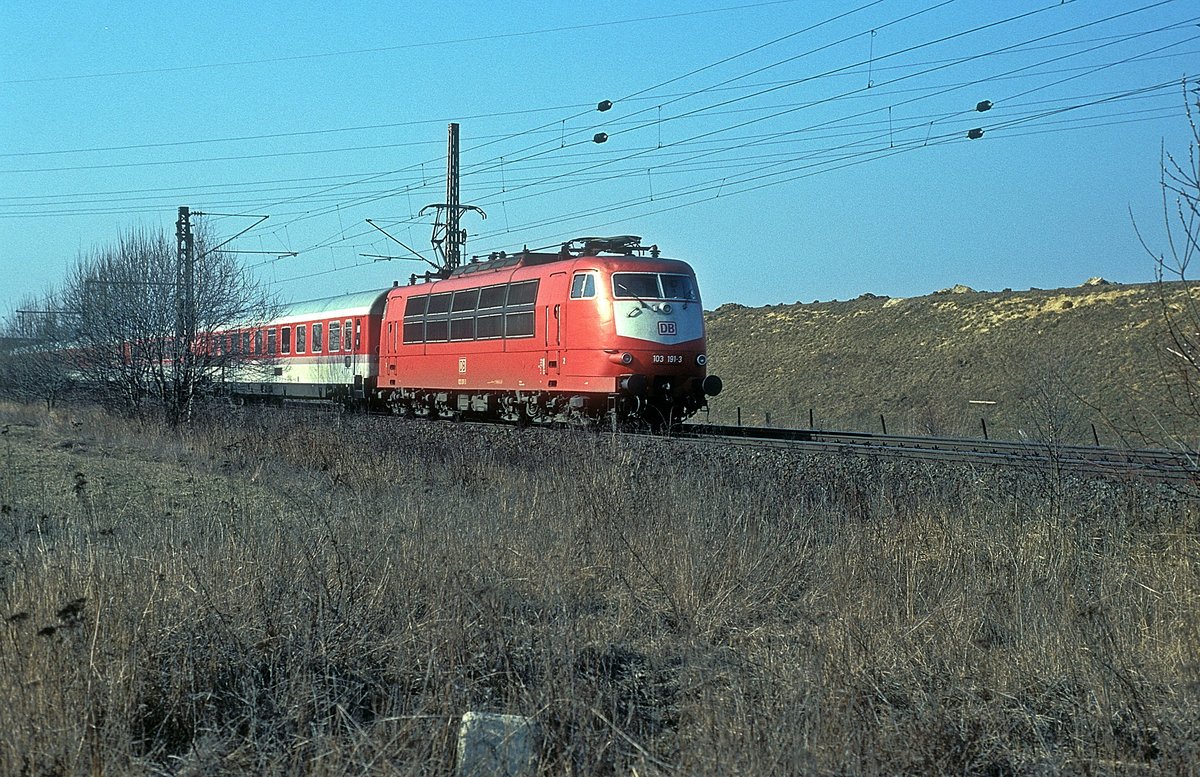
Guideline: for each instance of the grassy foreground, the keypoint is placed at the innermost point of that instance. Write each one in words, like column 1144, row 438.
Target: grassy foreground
column 287, row 594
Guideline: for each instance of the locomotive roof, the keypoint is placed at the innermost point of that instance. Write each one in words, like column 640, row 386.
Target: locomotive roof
column 530, row 259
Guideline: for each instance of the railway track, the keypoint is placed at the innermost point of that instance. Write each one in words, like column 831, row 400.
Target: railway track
column 1150, row 464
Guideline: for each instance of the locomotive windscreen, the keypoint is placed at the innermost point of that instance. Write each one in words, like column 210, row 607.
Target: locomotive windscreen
column 648, row 285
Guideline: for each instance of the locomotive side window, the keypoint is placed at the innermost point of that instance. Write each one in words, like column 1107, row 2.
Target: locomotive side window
column 462, row 314
column 437, row 318
column 317, row 341
column 335, row 336
column 583, row 286
column 489, row 324
column 471, row 314
column 438, row 304
column 465, row 301
column 285, row 339
column 301, row 338
column 492, row 297
column 522, row 293
column 414, row 319
column 489, row 327
column 437, row 330
column 518, row 314
column 346, row 335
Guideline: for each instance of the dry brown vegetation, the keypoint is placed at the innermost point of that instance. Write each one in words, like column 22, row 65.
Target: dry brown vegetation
column 1055, row 363
column 282, row 594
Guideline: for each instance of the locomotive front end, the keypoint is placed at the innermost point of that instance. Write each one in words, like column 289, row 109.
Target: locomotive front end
column 658, row 323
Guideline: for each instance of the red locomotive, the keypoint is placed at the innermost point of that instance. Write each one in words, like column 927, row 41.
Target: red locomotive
column 603, row 328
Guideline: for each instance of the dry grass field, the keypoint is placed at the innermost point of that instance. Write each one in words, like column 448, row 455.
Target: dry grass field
column 1048, row 364
column 288, row 593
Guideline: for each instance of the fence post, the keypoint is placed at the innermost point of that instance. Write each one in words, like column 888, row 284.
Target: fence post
column 983, row 423
column 739, row 415
column 883, row 423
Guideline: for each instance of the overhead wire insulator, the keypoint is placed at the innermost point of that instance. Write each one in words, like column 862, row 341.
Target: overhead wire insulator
column 600, row 137
column 975, row 134
column 604, row 105
column 985, row 105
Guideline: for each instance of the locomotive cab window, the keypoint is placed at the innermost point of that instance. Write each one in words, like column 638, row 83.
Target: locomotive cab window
column 649, row 285
column 681, row 287
column 631, row 285
column 583, row 286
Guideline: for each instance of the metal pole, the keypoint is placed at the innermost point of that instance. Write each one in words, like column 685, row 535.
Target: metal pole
column 454, row 237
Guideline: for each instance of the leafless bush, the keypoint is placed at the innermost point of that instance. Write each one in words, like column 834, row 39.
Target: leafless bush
column 1180, row 187
column 120, row 327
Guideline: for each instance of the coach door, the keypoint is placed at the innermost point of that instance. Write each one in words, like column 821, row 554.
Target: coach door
column 552, row 320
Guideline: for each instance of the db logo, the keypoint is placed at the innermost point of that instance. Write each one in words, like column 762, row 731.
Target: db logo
column 462, row 365
column 666, row 327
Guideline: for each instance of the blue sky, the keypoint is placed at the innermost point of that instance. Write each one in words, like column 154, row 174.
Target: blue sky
column 789, row 150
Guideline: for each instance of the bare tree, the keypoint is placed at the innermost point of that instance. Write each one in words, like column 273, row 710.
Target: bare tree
column 1180, row 308
column 123, row 341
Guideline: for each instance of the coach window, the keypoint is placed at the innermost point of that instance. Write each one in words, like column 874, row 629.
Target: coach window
column 285, row 340
column 271, row 338
column 246, row 341
column 230, row 343
column 258, row 341
column 335, row 336
column 583, row 286
column 346, row 332
column 301, row 338
column 357, row 333
column 318, row 343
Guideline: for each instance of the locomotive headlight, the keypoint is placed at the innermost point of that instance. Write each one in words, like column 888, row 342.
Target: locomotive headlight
column 701, row 359
column 625, row 359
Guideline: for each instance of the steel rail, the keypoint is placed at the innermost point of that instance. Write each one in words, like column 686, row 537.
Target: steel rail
column 1150, row 463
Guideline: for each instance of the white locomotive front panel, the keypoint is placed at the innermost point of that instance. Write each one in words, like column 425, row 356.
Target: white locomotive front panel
column 659, row 308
